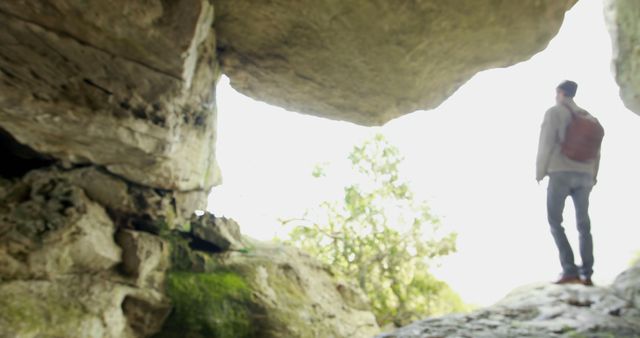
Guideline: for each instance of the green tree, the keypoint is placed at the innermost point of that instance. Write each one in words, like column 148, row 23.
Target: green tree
column 381, row 238
column 636, row 260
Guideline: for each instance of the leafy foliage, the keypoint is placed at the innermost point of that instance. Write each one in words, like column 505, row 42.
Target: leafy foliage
column 382, row 238
column 636, row 260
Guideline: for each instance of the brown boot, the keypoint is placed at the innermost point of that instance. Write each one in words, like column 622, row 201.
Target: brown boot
column 569, row 280
column 586, row 281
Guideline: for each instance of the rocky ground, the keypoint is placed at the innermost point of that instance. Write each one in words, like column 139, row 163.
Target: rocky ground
column 545, row 311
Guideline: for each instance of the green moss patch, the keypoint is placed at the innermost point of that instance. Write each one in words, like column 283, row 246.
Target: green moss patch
column 208, row 305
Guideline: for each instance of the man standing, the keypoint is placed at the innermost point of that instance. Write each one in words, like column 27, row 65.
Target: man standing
column 567, row 177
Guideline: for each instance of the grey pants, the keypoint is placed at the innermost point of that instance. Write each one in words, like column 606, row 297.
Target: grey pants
column 578, row 186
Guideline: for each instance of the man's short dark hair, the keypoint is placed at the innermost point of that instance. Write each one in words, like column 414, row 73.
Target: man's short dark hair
column 569, row 88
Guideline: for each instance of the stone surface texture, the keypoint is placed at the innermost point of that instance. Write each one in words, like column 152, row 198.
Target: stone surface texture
column 216, row 233
column 107, row 142
column 60, row 266
column 145, row 258
column 125, row 85
column 624, row 26
column 371, row 61
column 545, row 311
column 299, row 296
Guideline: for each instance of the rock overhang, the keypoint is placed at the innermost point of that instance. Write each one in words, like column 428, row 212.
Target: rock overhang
column 131, row 86
column 368, row 62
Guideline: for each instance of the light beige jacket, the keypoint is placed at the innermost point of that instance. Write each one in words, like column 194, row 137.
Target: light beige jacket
column 550, row 158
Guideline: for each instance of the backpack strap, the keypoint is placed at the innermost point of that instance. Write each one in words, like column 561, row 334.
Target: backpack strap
column 573, row 114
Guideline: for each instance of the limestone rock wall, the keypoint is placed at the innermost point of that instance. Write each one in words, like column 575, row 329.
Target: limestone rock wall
column 125, row 85
column 624, row 26
column 62, row 272
column 84, row 253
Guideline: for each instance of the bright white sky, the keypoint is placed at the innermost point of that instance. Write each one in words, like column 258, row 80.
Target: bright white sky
column 472, row 159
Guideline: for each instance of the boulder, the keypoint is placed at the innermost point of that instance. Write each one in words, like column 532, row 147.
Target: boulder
column 215, row 234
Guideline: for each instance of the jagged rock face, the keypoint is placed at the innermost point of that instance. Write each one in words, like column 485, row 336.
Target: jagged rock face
column 125, row 85
column 50, row 228
column 545, row 311
column 73, row 263
column 129, row 205
column 62, row 273
column 624, row 26
column 107, row 131
column 371, row 61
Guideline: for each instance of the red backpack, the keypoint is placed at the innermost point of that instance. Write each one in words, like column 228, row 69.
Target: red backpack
column 583, row 137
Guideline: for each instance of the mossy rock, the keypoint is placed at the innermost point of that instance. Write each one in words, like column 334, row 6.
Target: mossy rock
column 53, row 313
column 264, row 291
column 70, row 307
column 185, row 258
column 209, row 305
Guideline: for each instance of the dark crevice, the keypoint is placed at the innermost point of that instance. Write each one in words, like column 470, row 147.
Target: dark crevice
column 150, row 113
column 579, row 303
column 200, row 245
column 35, row 75
column 7, row 73
column 140, row 222
column 18, row 159
column 102, row 89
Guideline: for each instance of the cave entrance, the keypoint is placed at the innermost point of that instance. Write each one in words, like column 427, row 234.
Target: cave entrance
column 472, row 159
